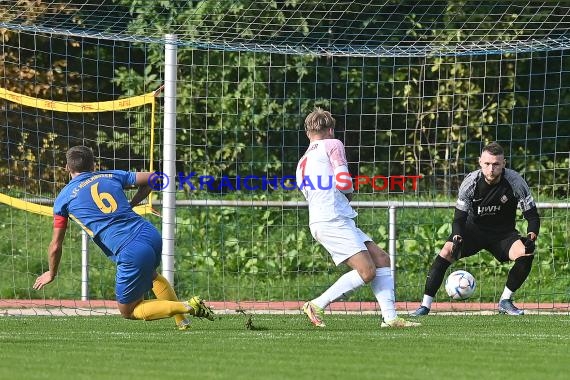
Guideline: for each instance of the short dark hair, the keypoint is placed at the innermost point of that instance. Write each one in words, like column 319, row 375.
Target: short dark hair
column 494, row 149
column 80, row 159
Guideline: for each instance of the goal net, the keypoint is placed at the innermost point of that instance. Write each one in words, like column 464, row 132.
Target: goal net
column 417, row 89
column 34, row 133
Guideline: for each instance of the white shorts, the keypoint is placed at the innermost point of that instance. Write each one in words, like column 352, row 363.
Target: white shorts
column 340, row 237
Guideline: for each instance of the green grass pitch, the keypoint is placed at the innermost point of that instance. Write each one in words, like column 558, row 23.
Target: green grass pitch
column 286, row 347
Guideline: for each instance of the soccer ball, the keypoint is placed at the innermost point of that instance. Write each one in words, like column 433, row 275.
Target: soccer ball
column 460, row 285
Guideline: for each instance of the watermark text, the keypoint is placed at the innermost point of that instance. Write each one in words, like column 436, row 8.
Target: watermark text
column 342, row 181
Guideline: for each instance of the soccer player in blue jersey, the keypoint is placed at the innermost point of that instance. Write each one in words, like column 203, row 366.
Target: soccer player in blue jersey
column 97, row 202
column 485, row 215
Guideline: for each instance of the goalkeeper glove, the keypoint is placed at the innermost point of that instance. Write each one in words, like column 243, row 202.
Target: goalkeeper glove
column 456, row 248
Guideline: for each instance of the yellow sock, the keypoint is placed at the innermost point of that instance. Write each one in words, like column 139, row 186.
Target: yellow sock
column 164, row 291
column 158, row 309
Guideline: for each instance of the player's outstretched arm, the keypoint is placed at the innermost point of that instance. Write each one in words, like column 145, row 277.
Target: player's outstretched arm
column 54, row 258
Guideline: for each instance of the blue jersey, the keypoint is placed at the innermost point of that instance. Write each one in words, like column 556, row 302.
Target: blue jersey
column 97, row 202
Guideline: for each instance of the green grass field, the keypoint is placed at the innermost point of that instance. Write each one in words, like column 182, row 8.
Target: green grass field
column 286, row 347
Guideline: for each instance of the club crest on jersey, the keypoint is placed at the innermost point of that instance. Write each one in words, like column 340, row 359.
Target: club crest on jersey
column 504, row 199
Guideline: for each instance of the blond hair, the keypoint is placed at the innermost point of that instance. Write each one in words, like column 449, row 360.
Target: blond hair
column 319, row 121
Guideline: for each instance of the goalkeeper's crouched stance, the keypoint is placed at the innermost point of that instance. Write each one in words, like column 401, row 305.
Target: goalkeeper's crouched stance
column 485, row 216
column 97, row 202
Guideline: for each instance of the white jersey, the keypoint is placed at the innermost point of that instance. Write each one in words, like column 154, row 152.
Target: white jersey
column 321, row 172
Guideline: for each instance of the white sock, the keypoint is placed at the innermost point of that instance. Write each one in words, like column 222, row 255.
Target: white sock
column 507, row 294
column 383, row 288
column 427, row 301
column 345, row 284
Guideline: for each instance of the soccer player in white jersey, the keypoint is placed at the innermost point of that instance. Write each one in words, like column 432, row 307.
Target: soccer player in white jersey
column 323, row 177
column 485, row 218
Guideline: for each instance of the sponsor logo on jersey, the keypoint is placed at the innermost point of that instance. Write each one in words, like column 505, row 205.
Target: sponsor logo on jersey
column 488, row 210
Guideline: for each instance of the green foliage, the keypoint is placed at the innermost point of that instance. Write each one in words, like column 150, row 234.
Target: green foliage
column 266, row 253
column 241, row 111
column 28, row 169
column 242, row 116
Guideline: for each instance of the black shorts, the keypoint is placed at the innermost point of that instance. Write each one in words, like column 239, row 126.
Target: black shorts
column 475, row 239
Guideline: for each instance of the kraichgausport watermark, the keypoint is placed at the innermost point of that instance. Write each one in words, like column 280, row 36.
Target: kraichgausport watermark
column 342, row 181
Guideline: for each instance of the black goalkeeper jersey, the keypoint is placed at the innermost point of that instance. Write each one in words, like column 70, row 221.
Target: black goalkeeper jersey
column 493, row 207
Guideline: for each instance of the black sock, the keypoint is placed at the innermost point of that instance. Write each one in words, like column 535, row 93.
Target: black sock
column 519, row 272
column 435, row 275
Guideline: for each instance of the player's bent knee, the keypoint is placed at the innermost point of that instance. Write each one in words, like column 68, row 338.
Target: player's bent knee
column 127, row 310
column 525, row 260
column 446, row 251
column 520, row 254
column 368, row 274
column 368, row 277
column 126, row 314
column 383, row 261
column 446, row 254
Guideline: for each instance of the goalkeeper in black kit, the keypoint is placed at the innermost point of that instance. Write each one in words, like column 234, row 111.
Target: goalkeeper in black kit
column 485, row 215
